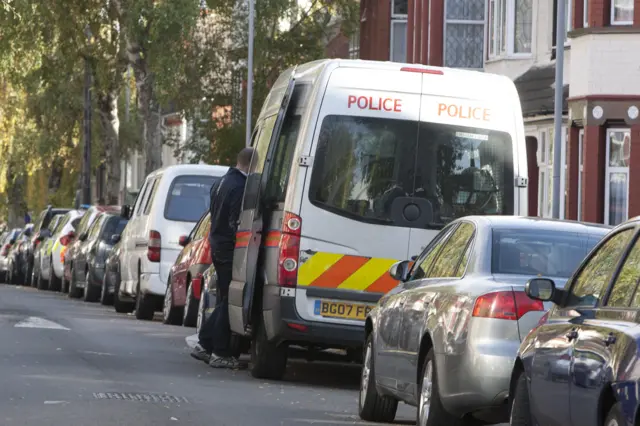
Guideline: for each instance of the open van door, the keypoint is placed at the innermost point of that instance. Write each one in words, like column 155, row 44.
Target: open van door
column 251, row 224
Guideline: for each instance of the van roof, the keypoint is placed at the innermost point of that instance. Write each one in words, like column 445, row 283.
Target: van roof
column 183, row 169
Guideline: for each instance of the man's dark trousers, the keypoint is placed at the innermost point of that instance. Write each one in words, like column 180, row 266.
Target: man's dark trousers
column 215, row 333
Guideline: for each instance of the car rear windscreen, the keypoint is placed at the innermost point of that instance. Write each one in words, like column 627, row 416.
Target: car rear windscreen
column 363, row 164
column 539, row 252
column 189, row 198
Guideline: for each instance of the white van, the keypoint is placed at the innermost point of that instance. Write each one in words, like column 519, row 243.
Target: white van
column 359, row 164
column 169, row 204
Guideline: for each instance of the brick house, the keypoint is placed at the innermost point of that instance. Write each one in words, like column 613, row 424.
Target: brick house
column 517, row 38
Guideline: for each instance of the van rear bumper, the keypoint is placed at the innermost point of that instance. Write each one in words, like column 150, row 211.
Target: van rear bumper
column 285, row 325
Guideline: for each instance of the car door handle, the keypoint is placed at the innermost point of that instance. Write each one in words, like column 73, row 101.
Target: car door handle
column 573, row 334
column 610, row 340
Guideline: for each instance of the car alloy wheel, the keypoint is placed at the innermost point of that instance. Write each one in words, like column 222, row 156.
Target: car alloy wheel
column 425, row 393
column 366, row 372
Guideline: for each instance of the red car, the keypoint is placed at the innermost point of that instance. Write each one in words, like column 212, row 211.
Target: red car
column 185, row 278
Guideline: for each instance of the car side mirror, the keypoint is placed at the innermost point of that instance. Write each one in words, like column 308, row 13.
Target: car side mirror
column 543, row 289
column 400, row 270
column 125, row 211
column 183, row 240
column 13, row 241
column 115, row 239
column 83, row 236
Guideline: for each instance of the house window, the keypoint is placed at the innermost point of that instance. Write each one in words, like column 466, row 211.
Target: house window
column 464, row 30
column 616, row 187
column 510, row 27
column 585, row 14
column 545, row 166
column 354, row 45
column 399, row 10
column 621, row 12
column 568, row 25
column 580, row 170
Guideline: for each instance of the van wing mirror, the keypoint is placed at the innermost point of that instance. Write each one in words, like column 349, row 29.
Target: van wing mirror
column 183, row 240
column 400, row 270
column 83, row 236
column 115, row 239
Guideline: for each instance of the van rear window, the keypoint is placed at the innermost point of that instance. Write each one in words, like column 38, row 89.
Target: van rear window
column 362, row 164
column 189, row 198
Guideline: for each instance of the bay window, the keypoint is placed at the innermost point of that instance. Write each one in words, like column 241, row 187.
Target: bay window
column 510, row 28
column 464, row 29
column 616, row 187
column 621, row 12
column 545, row 177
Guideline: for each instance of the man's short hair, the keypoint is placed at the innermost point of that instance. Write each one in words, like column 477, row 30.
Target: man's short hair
column 244, row 157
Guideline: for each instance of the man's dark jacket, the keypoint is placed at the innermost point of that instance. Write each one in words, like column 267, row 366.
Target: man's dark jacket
column 226, row 203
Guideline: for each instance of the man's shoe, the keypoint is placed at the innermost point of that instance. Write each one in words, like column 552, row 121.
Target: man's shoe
column 231, row 363
column 200, row 353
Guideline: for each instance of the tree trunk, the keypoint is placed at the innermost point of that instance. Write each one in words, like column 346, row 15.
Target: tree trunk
column 150, row 118
column 108, row 107
column 17, row 206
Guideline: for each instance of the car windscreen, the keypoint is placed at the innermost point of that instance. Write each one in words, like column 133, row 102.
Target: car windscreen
column 189, row 198
column 363, row 164
column 539, row 252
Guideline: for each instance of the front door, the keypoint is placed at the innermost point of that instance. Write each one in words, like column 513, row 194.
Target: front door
column 252, row 221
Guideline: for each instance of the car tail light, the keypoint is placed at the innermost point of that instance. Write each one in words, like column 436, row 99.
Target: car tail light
column 289, row 250
column 509, row 305
column 196, row 285
column 5, row 249
column 422, row 70
column 153, row 247
column 66, row 239
column 62, row 252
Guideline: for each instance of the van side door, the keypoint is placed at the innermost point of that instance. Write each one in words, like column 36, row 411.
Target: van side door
column 251, row 224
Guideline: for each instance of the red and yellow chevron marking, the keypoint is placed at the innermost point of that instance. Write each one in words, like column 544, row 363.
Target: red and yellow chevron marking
column 242, row 238
column 346, row 272
column 272, row 239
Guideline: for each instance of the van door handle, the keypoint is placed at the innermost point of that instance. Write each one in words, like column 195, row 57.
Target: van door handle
column 610, row 340
column 573, row 334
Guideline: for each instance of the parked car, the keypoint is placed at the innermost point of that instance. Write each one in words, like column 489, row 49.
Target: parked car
column 111, row 280
column 208, row 296
column 170, row 203
column 39, row 226
column 445, row 338
column 51, row 269
column 184, row 285
column 73, row 246
column 44, row 240
column 577, row 367
column 16, row 255
column 8, row 240
column 96, row 244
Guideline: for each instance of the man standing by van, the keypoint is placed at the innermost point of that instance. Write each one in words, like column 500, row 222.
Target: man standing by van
column 214, row 338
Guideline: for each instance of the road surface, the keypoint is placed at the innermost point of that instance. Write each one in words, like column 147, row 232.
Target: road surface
column 68, row 363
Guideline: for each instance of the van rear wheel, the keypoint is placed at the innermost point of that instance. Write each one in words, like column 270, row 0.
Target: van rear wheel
column 269, row 361
column 145, row 306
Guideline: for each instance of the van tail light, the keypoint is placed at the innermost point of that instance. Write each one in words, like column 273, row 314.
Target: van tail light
column 289, row 250
column 66, row 239
column 422, row 70
column 62, row 252
column 509, row 305
column 153, row 247
column 5, row 249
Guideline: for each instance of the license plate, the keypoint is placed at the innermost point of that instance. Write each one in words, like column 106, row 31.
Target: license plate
column 331, row 309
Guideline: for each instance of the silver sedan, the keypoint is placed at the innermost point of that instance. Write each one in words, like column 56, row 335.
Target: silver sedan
column 446, row 337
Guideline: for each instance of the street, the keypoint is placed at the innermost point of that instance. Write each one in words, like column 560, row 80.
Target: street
column 66, row 362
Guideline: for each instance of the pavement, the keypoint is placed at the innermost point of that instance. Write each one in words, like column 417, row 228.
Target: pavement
column 69, row 363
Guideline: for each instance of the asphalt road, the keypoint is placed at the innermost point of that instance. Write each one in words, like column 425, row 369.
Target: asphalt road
column 69, row 363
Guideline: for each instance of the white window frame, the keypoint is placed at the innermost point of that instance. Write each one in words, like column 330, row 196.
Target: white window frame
column 397, row 18
column 580, row 170
column 609, row 170
column 354, row 45
column 395, row 22
column 585, row 13
column 465, row 22
column 613, row 22
column 494, row 23
column 569, row 23
column 545, row 165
